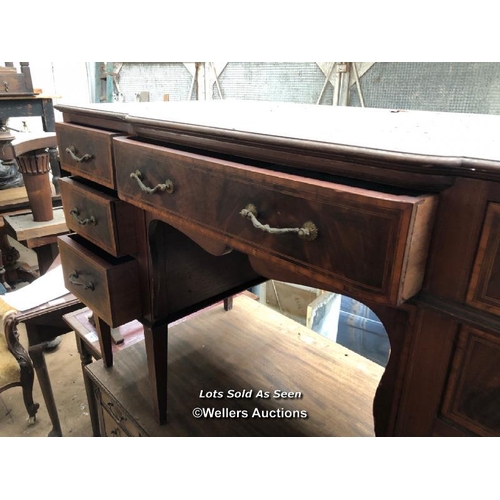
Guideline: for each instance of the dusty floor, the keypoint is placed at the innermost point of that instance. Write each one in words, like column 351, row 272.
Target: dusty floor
column 69, row 392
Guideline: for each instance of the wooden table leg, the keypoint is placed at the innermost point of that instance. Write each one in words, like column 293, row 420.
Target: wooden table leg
column 105, row 339
column 38, row 358
column 86, row 358
column 155, row 339
column 45, row 256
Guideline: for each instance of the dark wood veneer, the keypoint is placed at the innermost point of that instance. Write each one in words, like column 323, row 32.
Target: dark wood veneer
column 84, row 141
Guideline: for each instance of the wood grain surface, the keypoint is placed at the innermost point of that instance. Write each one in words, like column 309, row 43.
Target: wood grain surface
column 250, row 348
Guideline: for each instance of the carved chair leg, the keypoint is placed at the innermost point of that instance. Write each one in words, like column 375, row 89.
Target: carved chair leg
column 27, row 380
column 25, row 364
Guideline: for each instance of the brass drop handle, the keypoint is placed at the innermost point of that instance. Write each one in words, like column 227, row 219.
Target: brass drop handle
column 111, row 407
column 167, row 187
column 73, row 280
column 80, row 159
column 6, row 86
column 83, row 222
column 308, row 231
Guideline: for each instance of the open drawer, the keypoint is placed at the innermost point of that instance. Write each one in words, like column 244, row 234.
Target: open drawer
column 99, row 216
column 86, row 152
column 361, row 242
column 105, row 284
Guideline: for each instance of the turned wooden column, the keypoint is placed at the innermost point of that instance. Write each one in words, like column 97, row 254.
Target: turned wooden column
column 35, row 167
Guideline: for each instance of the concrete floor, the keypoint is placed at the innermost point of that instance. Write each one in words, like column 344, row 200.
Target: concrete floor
column 67, row 383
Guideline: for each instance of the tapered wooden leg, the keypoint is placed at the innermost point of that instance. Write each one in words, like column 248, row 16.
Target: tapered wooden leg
column 45, row 256
column 105, row 339
column 228, row 303
column 86, row 359
column 38, row 358
column 156, row 342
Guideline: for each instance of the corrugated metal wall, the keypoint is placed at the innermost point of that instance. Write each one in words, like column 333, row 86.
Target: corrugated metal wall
column 266, row 81
column 457, row 87
column 157, row 79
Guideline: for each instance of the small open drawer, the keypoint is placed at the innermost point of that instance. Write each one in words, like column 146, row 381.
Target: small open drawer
column 86, row 152
column 106, row 284
column 98, row 216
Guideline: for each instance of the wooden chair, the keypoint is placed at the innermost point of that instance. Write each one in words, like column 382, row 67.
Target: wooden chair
column 16, row 367
column 43, row 323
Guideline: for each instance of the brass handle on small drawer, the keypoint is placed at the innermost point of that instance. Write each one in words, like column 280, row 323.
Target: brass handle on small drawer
column 91, row 220
column 80, row 159
column 308, row 231
column 168, row 186
column 74, row 276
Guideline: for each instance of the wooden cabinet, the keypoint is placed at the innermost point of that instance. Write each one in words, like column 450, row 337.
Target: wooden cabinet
column 397, row 210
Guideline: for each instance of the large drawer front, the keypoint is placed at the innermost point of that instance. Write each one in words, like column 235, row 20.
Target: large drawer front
column 86, row 152
column 369, row 243
column 105, row 284
column 101, row 218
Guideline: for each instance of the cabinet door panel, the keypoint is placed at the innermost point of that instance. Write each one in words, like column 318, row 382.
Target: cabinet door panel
column 484, row 287
column 473, row 396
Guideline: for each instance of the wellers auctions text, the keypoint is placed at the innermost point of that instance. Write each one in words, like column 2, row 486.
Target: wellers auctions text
column 255, row 413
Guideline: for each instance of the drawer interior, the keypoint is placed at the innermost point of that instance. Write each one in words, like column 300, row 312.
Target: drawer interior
column 96, row 254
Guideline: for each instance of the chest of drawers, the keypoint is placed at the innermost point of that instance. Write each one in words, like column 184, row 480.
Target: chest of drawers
column 197, row 201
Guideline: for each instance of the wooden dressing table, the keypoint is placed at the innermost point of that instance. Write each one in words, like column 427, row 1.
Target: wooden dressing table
column 176, row 206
